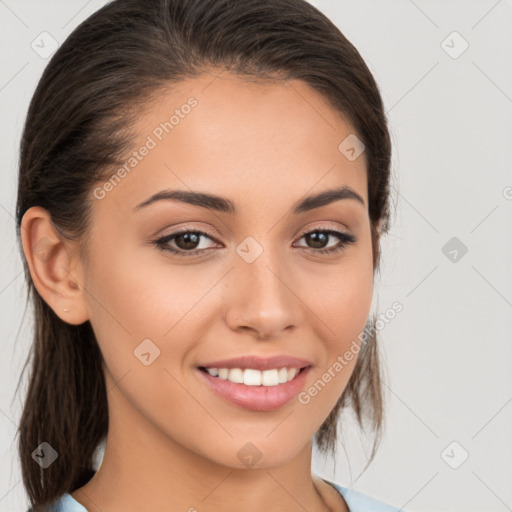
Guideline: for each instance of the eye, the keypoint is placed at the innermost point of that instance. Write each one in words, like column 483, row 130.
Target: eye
column 187, row 242
column 319, row 237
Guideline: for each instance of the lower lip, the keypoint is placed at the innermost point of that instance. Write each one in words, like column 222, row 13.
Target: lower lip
column 257, row 398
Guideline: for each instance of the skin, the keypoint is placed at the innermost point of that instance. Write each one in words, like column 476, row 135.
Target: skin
column 172, row 442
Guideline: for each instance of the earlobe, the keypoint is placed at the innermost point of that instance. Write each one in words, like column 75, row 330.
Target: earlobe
column 55, row 270
column 379, row 227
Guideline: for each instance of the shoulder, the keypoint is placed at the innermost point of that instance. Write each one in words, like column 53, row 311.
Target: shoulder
column 66, row 503
column 359, row 502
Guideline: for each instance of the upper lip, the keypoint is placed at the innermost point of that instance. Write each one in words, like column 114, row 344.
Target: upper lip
column 259, row 363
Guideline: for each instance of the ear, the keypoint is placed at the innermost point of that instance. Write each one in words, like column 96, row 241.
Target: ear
column 54, row 265
column 379, row 227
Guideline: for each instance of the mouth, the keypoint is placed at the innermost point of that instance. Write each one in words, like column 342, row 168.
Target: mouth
column 254, row 377
column 253, row 389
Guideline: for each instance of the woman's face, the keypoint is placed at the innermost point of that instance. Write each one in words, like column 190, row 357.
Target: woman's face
column 253, row 284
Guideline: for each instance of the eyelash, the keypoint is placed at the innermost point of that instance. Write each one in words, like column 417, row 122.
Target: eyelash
column 346, row 239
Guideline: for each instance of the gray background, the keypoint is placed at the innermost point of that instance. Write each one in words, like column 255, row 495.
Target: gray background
column 448, row 354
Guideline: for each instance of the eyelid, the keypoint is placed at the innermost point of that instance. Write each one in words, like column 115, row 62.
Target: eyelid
column 212, row 233
column 186, row 229
column 325, row 225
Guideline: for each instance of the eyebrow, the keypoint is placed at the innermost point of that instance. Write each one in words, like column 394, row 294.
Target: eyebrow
column 221, row 204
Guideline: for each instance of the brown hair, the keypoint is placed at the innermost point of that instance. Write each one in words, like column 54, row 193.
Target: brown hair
column 77, row 129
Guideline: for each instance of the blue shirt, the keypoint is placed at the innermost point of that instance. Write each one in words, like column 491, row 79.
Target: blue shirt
column 356, row 501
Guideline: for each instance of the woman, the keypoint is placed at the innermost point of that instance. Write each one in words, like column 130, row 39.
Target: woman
column 202, row 190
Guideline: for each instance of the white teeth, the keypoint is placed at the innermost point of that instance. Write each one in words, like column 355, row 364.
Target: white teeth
column 283, row 375
column 236, row 375
column 292, row 372
column 270, row 378
column 251, row 377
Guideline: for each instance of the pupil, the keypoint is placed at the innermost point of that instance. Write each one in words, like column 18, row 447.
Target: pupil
column 187, row 237
column 318, row 237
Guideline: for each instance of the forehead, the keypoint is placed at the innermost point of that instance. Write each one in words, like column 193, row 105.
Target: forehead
column 230, row 136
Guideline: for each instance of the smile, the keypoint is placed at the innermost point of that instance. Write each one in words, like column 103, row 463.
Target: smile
column 253, row 377
column 255, row 390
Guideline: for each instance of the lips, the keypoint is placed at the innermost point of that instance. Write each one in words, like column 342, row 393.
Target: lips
column 256, row 398
column 258, row 362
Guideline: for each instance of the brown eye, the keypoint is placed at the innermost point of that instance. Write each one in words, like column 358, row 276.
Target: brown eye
column 319, row 238
column 187, row 240
column 183, row 243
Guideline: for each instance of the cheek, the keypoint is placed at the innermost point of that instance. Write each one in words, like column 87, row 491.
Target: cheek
column 136, row 296
column 346, row 310
column 139, row 307
column 143, row 317
column 343, row 301
column 344, row 314
column 341, row 296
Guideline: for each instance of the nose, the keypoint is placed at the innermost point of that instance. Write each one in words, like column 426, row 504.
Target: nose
column 263, row 298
